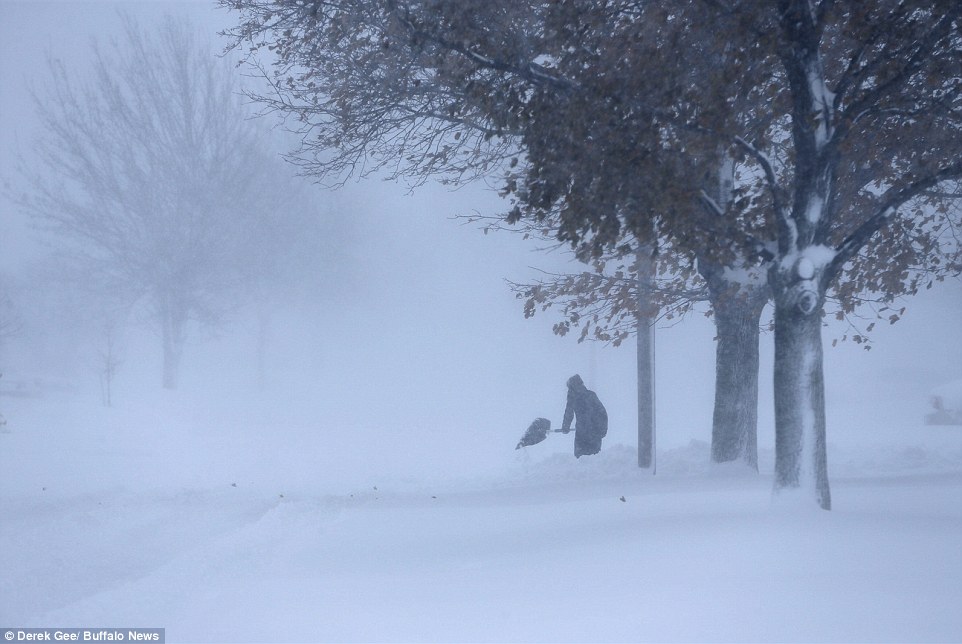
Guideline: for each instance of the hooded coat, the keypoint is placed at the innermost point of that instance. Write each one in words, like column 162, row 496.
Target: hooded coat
column 591, row 418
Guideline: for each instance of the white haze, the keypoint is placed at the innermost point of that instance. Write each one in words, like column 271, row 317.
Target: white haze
column 240, row 510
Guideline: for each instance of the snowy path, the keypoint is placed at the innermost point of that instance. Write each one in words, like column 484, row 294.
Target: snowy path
column 70, row 548
column 692, row 558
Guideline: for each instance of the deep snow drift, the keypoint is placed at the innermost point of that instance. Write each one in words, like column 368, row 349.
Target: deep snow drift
column 216, row 524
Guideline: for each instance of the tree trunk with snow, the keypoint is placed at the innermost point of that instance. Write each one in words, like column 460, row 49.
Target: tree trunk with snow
column 799, row 281
column 804, row 264
column 734, row 434
column 800, row 451
column 738, row 294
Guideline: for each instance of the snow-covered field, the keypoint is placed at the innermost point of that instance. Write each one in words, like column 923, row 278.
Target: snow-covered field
column 224, row 524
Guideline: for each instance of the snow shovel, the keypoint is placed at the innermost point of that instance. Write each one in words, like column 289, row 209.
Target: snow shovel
column 536, row 432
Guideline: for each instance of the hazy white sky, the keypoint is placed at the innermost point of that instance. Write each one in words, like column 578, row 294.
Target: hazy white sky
column 32, row 30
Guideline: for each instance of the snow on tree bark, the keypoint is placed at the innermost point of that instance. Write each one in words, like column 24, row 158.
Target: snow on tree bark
column 735, row 417
column 800, row 429
column 738, row 293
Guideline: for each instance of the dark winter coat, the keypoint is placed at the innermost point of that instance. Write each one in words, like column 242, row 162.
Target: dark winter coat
column 591, row 418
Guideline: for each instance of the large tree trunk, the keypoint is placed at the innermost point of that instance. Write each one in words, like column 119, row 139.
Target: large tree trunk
column 738, row 297
column 800, row 452
column 734, row 435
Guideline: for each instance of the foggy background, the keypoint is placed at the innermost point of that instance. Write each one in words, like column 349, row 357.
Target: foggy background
column 412, row 355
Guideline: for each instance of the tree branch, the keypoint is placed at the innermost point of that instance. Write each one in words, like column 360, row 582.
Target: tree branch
column 891, row 202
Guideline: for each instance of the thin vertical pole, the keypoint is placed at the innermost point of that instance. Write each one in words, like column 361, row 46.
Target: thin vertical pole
column 645, row 339
column 654, row 398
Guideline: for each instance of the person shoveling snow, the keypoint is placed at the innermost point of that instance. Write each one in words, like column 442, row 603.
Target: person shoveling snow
column 586, row 409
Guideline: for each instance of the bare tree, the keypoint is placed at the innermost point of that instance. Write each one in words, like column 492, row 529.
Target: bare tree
column 153, row 176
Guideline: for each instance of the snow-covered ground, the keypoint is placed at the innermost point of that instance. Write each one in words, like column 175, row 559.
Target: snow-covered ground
column 222, row 523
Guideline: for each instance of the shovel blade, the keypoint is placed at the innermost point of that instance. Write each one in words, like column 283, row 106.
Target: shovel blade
column 537, row 431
